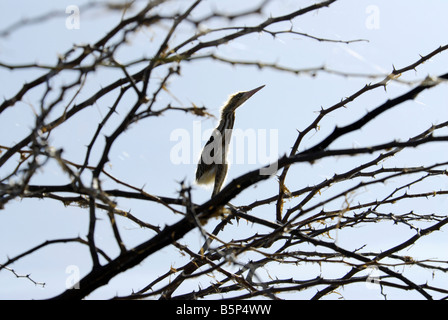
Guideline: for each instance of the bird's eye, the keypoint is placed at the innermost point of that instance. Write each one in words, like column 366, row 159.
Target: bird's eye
column 235, row 98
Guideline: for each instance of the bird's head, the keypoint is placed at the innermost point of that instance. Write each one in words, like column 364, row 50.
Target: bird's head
column 238, row 99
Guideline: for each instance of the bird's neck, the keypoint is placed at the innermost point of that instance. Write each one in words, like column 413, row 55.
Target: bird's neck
column 226, row 122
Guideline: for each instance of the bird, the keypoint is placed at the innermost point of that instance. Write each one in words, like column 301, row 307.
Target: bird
column 212, row 166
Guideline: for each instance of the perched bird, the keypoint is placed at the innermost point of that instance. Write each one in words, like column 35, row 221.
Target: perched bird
column 212, row 166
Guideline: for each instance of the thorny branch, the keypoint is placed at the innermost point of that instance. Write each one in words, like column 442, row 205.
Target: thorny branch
column 241, row 255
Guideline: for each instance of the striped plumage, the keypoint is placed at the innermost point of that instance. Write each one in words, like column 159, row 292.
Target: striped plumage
column 212, row 166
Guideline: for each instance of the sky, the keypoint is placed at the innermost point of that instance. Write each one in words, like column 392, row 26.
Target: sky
column 393, row 34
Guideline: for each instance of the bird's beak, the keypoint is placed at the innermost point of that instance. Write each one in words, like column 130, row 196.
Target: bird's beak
column 245, row 95
column 250, row 93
